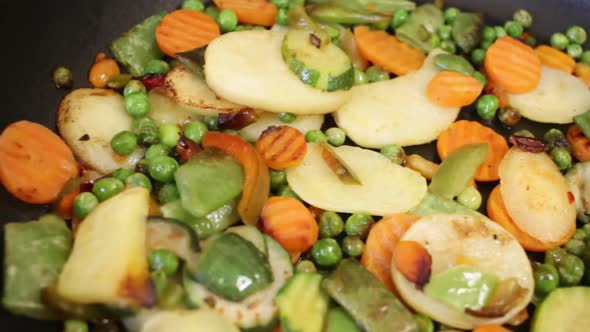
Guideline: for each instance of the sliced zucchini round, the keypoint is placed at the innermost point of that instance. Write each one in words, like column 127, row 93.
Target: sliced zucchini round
column 325, row 67
column 566, row 309
column 174, row 235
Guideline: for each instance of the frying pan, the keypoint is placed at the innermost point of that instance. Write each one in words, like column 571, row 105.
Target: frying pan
column 37, row 36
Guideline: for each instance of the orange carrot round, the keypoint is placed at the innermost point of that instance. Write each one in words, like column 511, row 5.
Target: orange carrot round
column 289, row 222
column 413, row 261
column 184, row 30
column 491, row 328
column 387, row 51
column 101, row 71
column 580, row 143
column 513, row 65
column 281, row 147
column 554, row 58
column 582, row 71
column 256, row 12
column 35, row 164
column 453, row 89
column 465, row 132
column 380, row 244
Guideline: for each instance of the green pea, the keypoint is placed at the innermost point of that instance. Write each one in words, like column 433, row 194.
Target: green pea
column 478, row 56
column 451, row 14
column 509, row 116
column 168, row 193
column 555, row 255
column 485, row 44
column 84, row 203
column 576, row 34
column 227, row 20
column 193, row 4
column 335, row 136
column 305, row 266
column 500, row 31
column 212, row 122
column 546, row 278
column 445, row 32
column 360, row 77
column 156, row 150
column 282, row 17
column 575, row 51
column 425, row 323
column 241, row 28
column 212, row 11
column 63, row 78
column 571, row 271
column 575, row 247
column 331, row 224
column 195, row 131
column 147, row 133
column 376, row 74
column 315, row 136
column 138, row 123
column 523, row 17
column 559, row 41
column 172, row 296
column 580, row 234
column 530, row 40
column 286, row 191
column 454, row 63
column 394, row 152
column 435, row 41
column 139, row 180
column 122, row 174
column 470, row 197
column 524, row 133
column 163, row 260
column 278, row 179
column 72, row 325
column 562, row 158
column 400, row 17
column 137, row 104
column 169, row 134
column 106, row 188
column 358, row 224
column 157, row 66
column 514, row 29
column 585, row 58
column 488, row 33
column 553, row 135
column 586, row 228
column 287, row 117
column 124, row 143
column 162, row 168
column 326, row 252
column 480, row 77
column 134, row 86
column 353, row 246
column 487, row 106
column 448, row 46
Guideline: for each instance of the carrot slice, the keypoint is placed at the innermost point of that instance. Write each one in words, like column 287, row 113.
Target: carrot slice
column 386, row 51
column 101, row 71
column 413, row 261
column 380, row 244
column 256, row 175
column 582, row 71
column 498, row 213
column 554, row 58
column 184, row 30
column 513, row 65
column 35, row 163
column 495, row 89
column 281, row 147
column 465, row 132
column 256, row 12
column 491, row 328
column 580, row 143
column 64, row 206
column 453, row 89
column 289, row 222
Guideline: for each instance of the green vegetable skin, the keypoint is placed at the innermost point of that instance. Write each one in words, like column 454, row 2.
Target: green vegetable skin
column 34, row 255
column 303, row 304
column 342, row 15
column 457, row 169
column 467, row 31
column 211, row 168
column 204, row 227
column 365, row 298
column 423, row 23
column 230, row 275
column 564, row 310
column 339, row 321
column 434, row 204
column 454, row 63
column 138, row 46
column 385, row 7
column 463, row 287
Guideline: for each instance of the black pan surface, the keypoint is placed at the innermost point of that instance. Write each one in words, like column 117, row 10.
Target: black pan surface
column 37, row 36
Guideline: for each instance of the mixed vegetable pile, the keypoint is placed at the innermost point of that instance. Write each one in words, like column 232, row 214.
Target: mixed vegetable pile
column 243, row 167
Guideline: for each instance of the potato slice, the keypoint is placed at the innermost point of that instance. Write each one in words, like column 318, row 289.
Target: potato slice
column 557, row 99
column 397, row 111
column 108, row 263
column 202, row 320
column 185, row 88
column 87, row 120
column 165, row 110
column 386, row 188
column 247, row 67
column 303, row 123
column 536, row 195
column 487, row 246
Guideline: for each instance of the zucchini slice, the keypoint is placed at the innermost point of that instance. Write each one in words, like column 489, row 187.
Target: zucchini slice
column 565, row 309
column 256, row 312
column 325, row 67
column 173, row 235
column 303, row 303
